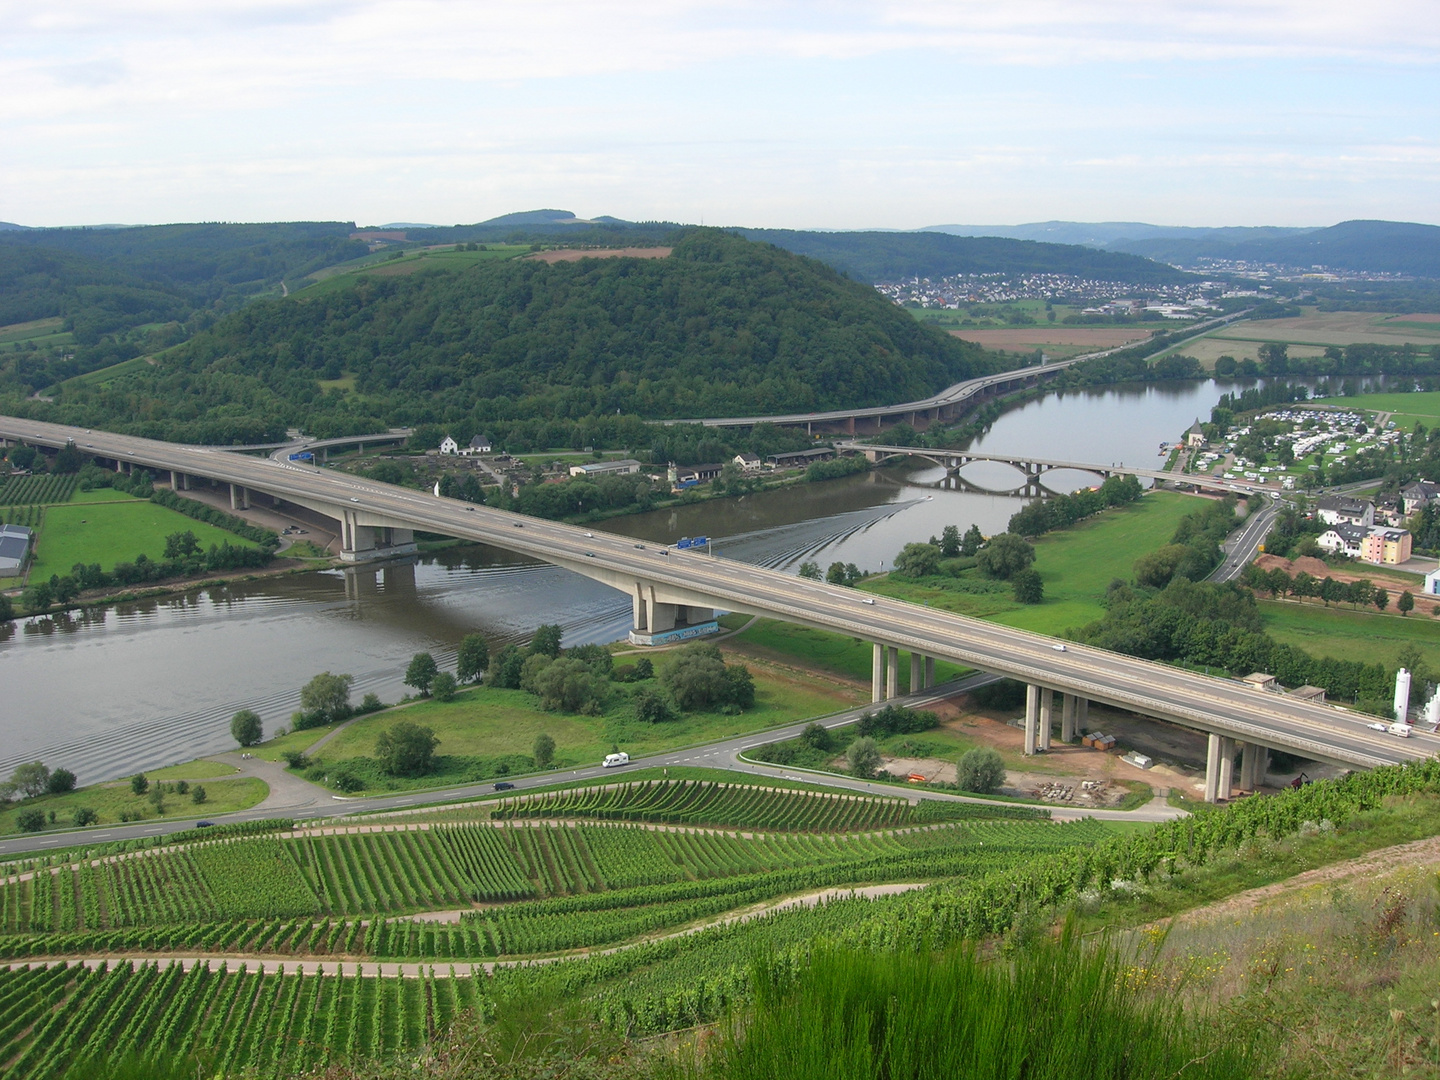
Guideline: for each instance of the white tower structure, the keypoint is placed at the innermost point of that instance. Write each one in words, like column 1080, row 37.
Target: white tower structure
column 1402, row 694
column 1432, row 708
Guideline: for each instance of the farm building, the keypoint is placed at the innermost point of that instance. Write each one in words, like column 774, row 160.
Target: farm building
column 14, row 546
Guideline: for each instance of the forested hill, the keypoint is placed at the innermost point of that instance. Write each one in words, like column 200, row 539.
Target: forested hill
column 722, row 326
column 887, row 256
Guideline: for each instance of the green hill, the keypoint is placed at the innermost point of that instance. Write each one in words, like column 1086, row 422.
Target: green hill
column 721, row 326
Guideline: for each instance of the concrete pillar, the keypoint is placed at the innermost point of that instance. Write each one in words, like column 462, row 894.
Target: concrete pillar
column 915, row 672
column 892, row 672
column 119, row 466
column 1212, row 768
column 637, row 603
column 175, row 479
column 1047, row 705
column 662, row 617
column 1252, row 773
column 1068, row 713
column 1032, row 718
column 239, row 498
column 929, row 672
column 1227, row 768
column 877, row 674
column 1082, row 714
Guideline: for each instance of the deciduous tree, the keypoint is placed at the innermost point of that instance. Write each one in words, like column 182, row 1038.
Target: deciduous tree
column 245, row 727
column 407, row 749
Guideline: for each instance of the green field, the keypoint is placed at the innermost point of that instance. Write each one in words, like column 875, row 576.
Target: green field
column 43, row 333
column 102, row 495
column 108, row 800
column 111, row 532
column 821, row 650
column 101, row 376
column 380, row 264
column 1351, row 635
column 485, row 722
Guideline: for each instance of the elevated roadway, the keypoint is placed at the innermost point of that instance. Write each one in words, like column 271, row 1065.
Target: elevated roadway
column 661, row 581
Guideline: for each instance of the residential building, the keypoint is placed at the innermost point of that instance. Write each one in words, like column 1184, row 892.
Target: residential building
column 1418, row 494
column 1432, row 583
column 1387, row 547
column 449, row 446
column 14, row 546
column 749, row 462
column 478, row 445
column 1340, row 509
column 623, row 466
column 1344, row 538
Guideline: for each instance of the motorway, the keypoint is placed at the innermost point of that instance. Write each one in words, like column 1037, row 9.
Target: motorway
column 952, row 395
column 727, row 755
column 1214, row 705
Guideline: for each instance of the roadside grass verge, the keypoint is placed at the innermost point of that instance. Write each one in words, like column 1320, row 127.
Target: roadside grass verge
column 111, row 532
column 108, row 800
column 822, row 651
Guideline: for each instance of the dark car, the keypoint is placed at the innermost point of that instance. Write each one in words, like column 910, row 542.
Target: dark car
column 503, row 785
column 204, row 824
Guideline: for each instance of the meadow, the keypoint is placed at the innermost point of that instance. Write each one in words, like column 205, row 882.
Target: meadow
column 115, row 531
column 1368, row 636
column 109, row 801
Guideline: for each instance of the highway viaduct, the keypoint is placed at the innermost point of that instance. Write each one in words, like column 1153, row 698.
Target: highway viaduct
column 675, row 593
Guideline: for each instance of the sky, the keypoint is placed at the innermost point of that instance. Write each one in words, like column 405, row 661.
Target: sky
column 766, row 113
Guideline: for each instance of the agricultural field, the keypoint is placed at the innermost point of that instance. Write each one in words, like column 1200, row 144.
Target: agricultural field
column 42, row 333
column 1058, row 342
column 111, row 532
column 1336, row 328
column 42, row 489
column 1338, row 631
column 382, row 264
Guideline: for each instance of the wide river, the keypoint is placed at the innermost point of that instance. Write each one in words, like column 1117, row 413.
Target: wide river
column 110, row 691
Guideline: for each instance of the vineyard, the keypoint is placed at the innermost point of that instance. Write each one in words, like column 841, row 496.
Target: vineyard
column 29, row 516
column 40, row 490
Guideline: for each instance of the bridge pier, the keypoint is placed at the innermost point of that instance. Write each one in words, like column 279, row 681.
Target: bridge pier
column 916, row 664
column 239, row 498
column 877, row 674
column 1254, row 764
column 1069, row 712
column 1219, row 768
column 929, row 672
column 1047, row 705
column 892, row 672
column 179, row 481
column 1032, row 719
column 657, row 622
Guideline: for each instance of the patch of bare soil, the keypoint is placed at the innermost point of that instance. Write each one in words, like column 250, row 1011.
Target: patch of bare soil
column 1426, row 605
column 1102, row 337
column 1417, row 853
column 576, row 254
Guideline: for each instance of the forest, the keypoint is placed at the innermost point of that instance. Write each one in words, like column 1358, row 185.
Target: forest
column 722, row 326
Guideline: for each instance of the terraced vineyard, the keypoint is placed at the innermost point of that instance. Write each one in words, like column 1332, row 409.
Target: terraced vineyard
column 523, row 888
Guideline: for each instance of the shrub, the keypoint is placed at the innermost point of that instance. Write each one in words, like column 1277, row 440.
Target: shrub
column 31, row 820
column 543, row 751
column 61, row 781
column 1028, row 586
column 980, row 770
column 1005, row 556
column 652, row 707
column 139, row 784
column 84, row 815
column 569, row 685
column 296, row 759
column 816, row 736
column 407, row 749
column 444, row 686
column 863, row 756
column 197, row 794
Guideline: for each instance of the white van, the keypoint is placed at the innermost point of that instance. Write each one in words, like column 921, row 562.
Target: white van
column 611, row 760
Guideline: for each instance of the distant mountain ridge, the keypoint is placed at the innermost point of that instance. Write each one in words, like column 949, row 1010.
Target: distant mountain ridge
column 1361, row 246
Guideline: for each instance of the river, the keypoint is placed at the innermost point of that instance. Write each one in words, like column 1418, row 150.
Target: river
column 110, row 691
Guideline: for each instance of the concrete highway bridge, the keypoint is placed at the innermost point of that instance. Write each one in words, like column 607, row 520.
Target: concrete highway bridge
column 950, row 403
column 1031, row 469
column 675, row 594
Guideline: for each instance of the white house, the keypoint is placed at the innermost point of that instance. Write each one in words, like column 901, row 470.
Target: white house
column 749, row 462
column 478, row 445
column 1344, row 537
column 1432, row 583
column 1339, row 510
column 1418, row 494
column 448, row 445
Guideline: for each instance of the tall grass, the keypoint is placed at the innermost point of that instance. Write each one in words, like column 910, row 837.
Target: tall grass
column 1057, row 1009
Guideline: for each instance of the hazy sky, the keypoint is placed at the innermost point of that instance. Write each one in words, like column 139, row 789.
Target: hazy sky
column 890, row 114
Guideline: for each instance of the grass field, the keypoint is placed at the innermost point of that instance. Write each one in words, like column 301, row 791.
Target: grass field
column 107, row 533
column 101, row 376
column 342, row 275
column 1334, row 328
column 820, row 650
column 103, row 495
column 1351, row 635
column 1408, row 409
column 43, row 332
column 108, row 800
column 489, row 722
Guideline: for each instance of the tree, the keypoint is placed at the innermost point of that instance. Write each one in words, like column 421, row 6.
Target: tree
column 950, row 541
column 570, row 685
column 245, row 727
column 739, row 686
column 197, row 794
column 695, row 676
column 61, row 781
column 980, row 770
column 1028, row 586
column 1381, row 599
column 810, row 570
column 39, row 597
column 1331, row 591
column 139, row 784
column 863, row 756
column 7, row 609
column 473, row 658
column 179, row 545
column 30, row 820
column 505, row 671
column 816, row 736
column 1406, row 603
column 644, row 669
column 1005, row 556
column 543, row 751
column 407, row 749
column 69, row 459
column 326, row 697
column 918, row 560
column 546, row 641
column 84, row 815
column 444, row 686
column 421, row 672
column 652, row 707
column 32, row 779
column 972, row 542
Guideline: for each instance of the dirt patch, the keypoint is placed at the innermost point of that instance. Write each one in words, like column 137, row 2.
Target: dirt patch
column 576, row 254
column 1101, row 337
column 1430, row 318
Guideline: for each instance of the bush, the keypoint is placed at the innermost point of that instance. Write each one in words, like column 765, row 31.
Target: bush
column 407, row 749
column 30, row 820
column 569, row 685
column 543, row 751
column 139, row 784
column 444, row 686
column 296, row 759
column 197, row 794
column 61, row 781
column 980, row 770
column 1029, row 587
column 84, row 815
column 651, row 706
column 816, row 736
column 370, row 703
